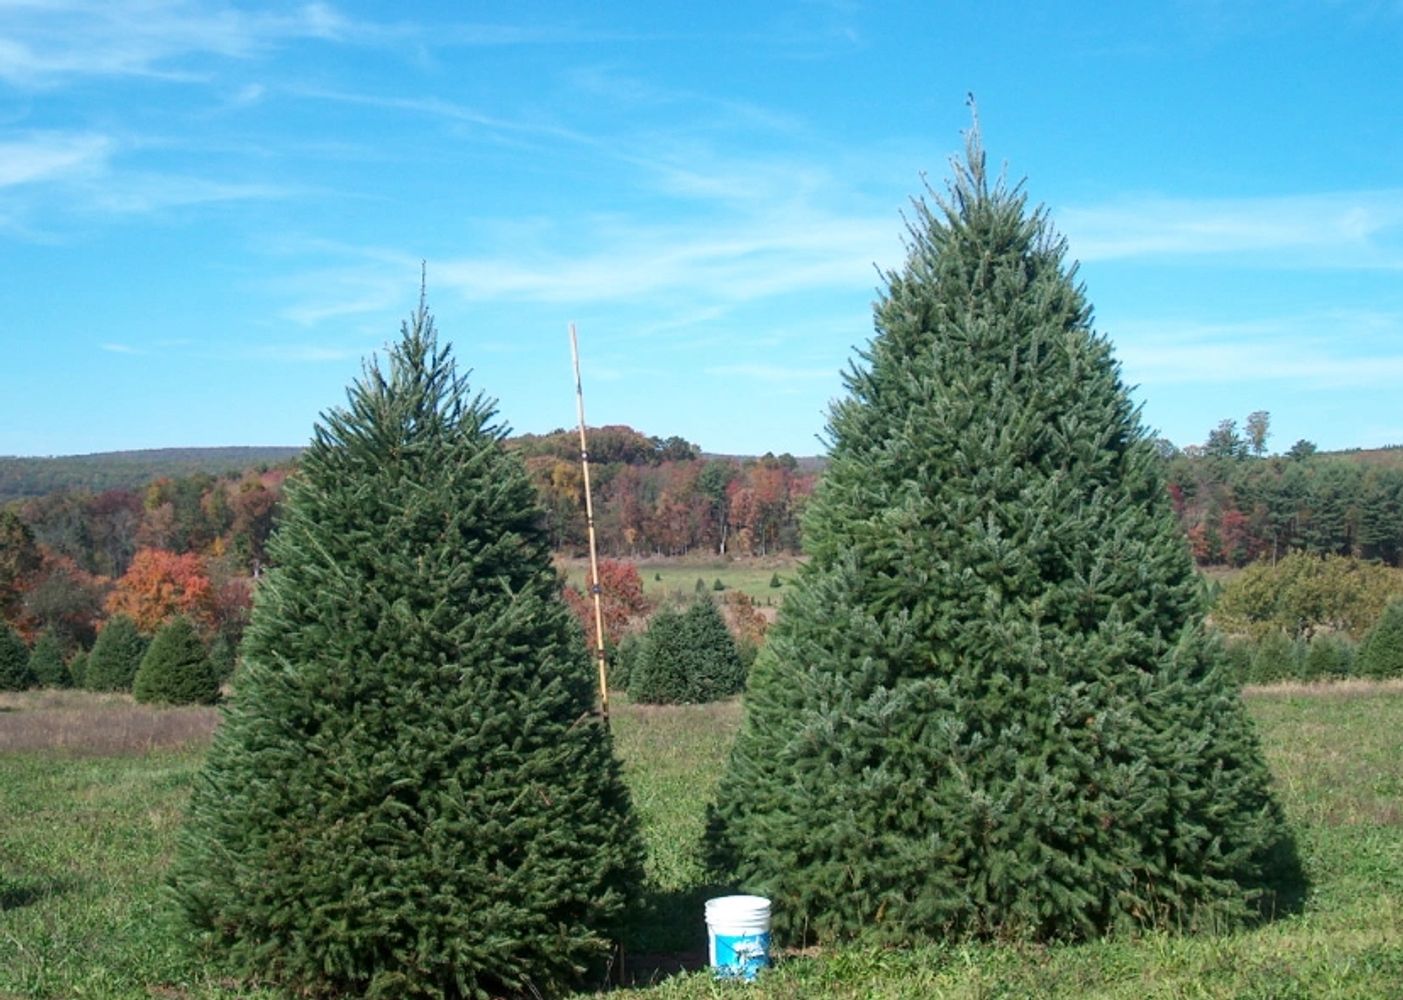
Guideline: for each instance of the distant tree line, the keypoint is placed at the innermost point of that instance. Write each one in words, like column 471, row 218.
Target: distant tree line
column 1237, row 504
column 192, row 545
column 656, row 496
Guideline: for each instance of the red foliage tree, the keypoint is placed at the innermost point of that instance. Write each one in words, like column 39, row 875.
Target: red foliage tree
column 621, row 599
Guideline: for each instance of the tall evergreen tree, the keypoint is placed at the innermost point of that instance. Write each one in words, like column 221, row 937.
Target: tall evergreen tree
column 115, row 656
column 410, row 794
column 989, row 706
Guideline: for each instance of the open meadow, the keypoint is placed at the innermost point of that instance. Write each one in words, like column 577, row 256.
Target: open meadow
column 92, row 789
column 665, row 579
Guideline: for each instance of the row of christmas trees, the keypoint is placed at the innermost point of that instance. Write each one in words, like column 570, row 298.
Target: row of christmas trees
column 989, row 707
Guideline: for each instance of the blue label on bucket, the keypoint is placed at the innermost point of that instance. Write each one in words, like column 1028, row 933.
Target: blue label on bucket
column 740, row 956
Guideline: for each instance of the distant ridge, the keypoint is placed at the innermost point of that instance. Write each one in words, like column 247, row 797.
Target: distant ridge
column 24, row 477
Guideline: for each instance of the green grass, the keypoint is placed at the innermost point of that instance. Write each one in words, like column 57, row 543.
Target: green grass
column 673, row 578
column 86, row 833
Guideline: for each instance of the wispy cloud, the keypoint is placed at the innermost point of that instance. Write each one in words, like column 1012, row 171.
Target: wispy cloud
column 1343, row 229
column 48, row 155
column 42, row 44
column 127, row 194
column 1302, row 350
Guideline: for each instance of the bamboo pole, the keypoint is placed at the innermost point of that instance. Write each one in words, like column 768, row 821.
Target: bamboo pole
column 593, row 550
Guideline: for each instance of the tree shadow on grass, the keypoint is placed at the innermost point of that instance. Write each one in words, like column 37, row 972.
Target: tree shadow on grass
column 665, row 935
column 19, row 892
column 1284, row 884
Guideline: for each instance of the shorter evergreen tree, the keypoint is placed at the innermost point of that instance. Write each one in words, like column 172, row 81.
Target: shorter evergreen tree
column 621, row 664
column 1328, row 657
column 46, row 661
column 1239, row 659
column 1381, row 655
column 176, row 670
column 15, row 674
column 1275, row 659
column 775, row 581
column 717, row 585
column 687, row 658
column 115, row 656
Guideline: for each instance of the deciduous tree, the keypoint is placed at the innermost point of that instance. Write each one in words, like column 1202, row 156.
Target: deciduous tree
column 159, row 585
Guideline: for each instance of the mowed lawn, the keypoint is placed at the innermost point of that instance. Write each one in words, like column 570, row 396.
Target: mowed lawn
column 92, row 788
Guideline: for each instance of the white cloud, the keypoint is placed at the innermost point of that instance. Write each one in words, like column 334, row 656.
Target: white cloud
column 1341, row 229
column 1337, row 350
column 48, row 155
column 45, row 43
column 132, row 194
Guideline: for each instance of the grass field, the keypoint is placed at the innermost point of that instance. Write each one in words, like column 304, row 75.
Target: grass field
column 663, row 579
column 92, row 787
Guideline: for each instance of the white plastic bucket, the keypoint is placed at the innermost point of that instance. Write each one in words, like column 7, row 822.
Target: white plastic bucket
column 738, row 935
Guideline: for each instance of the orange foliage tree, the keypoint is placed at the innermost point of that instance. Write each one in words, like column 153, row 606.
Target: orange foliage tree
column 158, row 585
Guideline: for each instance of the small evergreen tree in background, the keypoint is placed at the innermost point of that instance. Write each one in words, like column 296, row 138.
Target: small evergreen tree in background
column 1329, row 656
column 15, row 674
column 411, row 794
column 1381, row 654
column 775, row 581
column 989, row 706
column 687, row 658
column 1238, row 659
column 115, row 656
column 622, row 664
column 176, row 670
column 717, row 585
column 1276, row 658
column 46, row 661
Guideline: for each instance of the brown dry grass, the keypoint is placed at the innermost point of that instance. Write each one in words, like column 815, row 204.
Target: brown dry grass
column 92, row 724
column 1352, row 687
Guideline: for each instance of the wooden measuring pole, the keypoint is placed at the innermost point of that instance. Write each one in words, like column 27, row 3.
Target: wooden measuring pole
column 593, row 551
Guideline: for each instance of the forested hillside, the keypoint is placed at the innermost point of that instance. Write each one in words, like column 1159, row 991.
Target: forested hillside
column 193, row 543
column 126, row 470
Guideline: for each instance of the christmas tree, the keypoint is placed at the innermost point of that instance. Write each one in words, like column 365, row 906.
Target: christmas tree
column 686, row 657
column 46, row 661
column 989, row 706
column 411, row 794
column 115, row 656
column 15, row 674
column 1381, row 653
column 176, row 670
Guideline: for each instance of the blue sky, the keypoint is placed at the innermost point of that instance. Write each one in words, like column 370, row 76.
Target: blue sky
column 211, row 212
